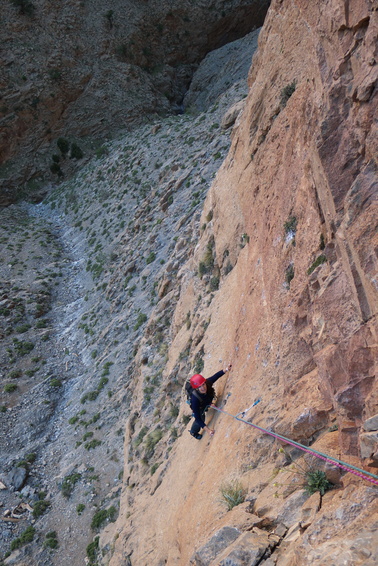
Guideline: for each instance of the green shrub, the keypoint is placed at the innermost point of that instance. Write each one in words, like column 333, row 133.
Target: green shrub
column 214, row 283
column 92, row 444
column 290, row 226
column 103, row 515
column 55, row 382
column 150, row 258
column 316, row 480
column 319, row 260
column 55, row 75
column 23, row 328
column 90, row 396
column 109, row 16
column 63, row 145
column 185, row 419
column 23, row 348
column 69, row 483
column 10, row 387
column 76, row 152
column 103, row 381
column 80, row 508
column 25, row 7
column 142, row 433
column 140, row 320
column 40, row 507
column 322, row 244
column 92, row 549
column 31, row 457
column 15, row 374
column 198, row 362
column 232, row 494
column 25, row 537
column 51, row 540
column 154, row 467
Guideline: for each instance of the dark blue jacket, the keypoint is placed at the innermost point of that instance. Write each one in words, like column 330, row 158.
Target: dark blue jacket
column 199, row 401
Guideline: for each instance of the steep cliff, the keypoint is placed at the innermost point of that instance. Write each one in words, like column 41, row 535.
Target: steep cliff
column 291, row 222
column 166, row 261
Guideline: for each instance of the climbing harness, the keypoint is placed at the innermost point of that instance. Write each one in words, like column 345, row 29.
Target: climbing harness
column 339, row 463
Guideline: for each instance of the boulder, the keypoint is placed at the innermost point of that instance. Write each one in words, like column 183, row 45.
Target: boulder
column 218, row 543
column 371, row 423
column 231, row 115
column 17, row 478
column 247, row 550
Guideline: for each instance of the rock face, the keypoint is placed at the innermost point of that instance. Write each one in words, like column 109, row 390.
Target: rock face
column 85, row 71
column 291, row 222
column 276, row 274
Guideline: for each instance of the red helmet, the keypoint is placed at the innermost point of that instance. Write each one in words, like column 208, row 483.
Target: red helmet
column 197, row 380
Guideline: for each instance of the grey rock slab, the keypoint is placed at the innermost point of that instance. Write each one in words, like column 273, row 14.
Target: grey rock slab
column 371, row 423
column 290, row 513
column 247, row 550
column 217, row 544
column 17, row 478
column 368, row 443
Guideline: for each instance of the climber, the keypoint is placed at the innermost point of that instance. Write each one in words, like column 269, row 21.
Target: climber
column 201, row 396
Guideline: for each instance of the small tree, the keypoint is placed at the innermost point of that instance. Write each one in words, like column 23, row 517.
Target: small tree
column 25, row 7
column 76, row 152
column 63, row 145
column 109, row 16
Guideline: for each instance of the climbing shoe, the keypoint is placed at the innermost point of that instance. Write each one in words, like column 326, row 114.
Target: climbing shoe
column 196, row 435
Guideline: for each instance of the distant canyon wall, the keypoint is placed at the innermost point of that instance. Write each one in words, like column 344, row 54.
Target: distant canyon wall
column 84, row 71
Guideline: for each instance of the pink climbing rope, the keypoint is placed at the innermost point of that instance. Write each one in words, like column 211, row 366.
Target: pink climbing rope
column 339, row 463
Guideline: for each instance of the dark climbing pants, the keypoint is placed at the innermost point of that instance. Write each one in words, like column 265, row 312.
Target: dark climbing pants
column 196, row 429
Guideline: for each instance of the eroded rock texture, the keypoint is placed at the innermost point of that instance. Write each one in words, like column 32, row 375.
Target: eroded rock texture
column 291, row 223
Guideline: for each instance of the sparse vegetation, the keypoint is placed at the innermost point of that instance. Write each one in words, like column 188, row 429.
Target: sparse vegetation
column 232, row 494
column 10, row 387
column 150, row 258
column 290, row 226
column 25, row 7
column 68, row 484
column 92, row 549
column 140, row 320
column 287, row 92
column 103, row 515
column 40, row 507
column 92, row 444
column 51, row 540
column 76, row 152
column 319, row 260
column 289, row 274
column 26, row 537
column 63, row 145
column 316, row 480
column 151, row 441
